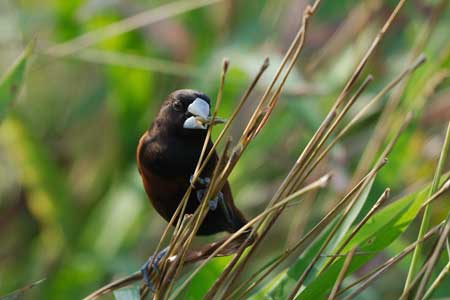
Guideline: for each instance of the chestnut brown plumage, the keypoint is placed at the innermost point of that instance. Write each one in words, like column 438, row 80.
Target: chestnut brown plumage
column 167, row 155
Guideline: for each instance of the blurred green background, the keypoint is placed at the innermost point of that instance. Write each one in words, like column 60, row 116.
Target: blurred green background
column 72, row 207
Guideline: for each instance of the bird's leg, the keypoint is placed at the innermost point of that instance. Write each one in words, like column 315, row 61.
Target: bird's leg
column 154, row 266
column 201, row 191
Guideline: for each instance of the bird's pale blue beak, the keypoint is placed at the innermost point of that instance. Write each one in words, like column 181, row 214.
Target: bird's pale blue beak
column 200, row 120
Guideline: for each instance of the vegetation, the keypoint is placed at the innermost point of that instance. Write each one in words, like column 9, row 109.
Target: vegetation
column 336, row 146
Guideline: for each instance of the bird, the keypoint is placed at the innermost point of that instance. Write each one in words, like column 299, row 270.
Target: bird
column 167, row 155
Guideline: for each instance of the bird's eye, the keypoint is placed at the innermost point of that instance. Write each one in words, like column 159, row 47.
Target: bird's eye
column 177, row 106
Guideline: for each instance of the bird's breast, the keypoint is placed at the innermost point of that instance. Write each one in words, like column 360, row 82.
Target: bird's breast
column 165, row 194
column 165, row 166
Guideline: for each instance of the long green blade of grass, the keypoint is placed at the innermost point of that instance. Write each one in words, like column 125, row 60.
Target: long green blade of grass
column 427, row 213
column 11, row 81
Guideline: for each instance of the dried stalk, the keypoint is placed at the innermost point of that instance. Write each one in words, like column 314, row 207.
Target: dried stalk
column 316, row 230
column 337, row 104
column 381, row 269
column 320, row 183
column 433, row 260
column 260, row 116
column 341, row 275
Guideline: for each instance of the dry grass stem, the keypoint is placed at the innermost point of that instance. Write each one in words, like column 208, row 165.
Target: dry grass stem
column 341, row 275
column 352, row 25
column 337, row 104
column 320, row 183
column 260, row 117
column 444, row 272
column 301, row 244
column 381, row 269
column 419, row 61
column 432, row 262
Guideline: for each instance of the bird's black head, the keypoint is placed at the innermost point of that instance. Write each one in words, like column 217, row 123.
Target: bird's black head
column 185, row 112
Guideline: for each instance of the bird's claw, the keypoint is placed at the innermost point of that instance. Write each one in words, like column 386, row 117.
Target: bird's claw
column 213, row 203
column 155, row 261
column 145, row 278
column 204, row 182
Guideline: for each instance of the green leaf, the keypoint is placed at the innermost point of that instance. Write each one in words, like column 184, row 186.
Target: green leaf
column 11, row 81
column 131, row 293
column 377, row 234
column 204, row 279
column 347, row 223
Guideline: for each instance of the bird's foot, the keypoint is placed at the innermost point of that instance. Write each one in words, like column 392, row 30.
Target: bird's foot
column 154, row 265
column 200, row 182
column 213, row 203
column 204, row 183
